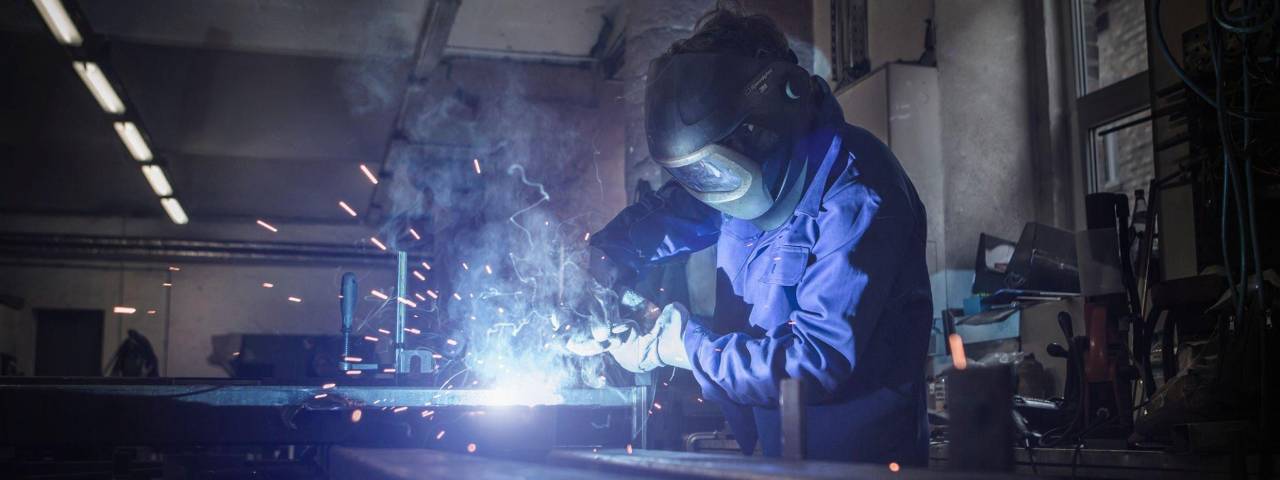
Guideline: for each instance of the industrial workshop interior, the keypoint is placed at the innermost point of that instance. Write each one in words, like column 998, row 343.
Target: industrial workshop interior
column 598, row 239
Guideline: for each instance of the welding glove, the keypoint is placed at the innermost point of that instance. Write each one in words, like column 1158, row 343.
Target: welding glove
column 663, row 345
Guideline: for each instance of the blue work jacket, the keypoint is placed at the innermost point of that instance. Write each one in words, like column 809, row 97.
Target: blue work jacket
column 840, row 292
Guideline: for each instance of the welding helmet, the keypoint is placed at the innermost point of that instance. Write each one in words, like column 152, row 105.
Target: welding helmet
column 726, row 127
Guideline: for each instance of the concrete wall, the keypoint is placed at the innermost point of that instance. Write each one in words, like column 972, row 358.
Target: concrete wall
column 205, row 299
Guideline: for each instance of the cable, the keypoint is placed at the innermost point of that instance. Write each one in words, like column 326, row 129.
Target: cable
column 1248, row 168
column 1177, row 69
column 1222, row 17
column 1224, row 136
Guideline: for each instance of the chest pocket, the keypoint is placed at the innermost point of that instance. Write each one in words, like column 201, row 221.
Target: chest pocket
column 785, row 264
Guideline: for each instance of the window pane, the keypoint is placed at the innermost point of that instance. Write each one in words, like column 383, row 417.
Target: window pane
column 1122, row 159
column 1114, row 41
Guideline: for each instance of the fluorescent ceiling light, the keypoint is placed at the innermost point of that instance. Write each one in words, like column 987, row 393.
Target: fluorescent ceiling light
column 99, row 87
column 133, row 140
column 174, row 209
column 55, row 16
column 124, row 310
column 155, row 176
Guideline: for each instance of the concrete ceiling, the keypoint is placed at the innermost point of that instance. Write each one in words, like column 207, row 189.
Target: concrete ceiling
column 257, row 107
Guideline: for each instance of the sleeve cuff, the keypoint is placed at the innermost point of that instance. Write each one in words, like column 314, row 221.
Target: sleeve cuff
column 695, row 335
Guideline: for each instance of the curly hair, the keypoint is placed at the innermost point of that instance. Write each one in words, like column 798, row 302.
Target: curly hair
column 726, row 31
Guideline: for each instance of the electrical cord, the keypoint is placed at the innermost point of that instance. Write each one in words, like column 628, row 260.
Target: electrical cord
column 1182, row 74
column 1229, row 171
column 1223, row 18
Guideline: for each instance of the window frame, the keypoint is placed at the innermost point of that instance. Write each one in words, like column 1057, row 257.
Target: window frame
column 1093, row 110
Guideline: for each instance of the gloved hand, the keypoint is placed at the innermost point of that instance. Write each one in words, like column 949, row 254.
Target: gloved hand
column 663, row 345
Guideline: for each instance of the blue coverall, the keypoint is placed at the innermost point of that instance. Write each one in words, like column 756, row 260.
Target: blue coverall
column 841, row 292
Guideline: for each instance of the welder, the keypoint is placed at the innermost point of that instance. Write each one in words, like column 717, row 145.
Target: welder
column 817, row 229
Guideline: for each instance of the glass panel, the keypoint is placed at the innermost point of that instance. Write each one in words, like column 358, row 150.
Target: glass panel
column 1113, row 36
column 1122, row 155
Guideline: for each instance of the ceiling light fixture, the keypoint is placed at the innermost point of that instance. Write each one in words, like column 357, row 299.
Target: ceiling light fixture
column 174, row 209
column 98, row 85
column 155, row 176
column 59, row 22
column 133, row 141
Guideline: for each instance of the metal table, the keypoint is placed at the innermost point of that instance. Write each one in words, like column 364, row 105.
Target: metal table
column 53, row 412
column 1128, row 464
column 652, row 463
column 406, row 464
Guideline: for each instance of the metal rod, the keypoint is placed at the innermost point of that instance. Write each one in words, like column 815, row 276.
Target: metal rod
column 29, row 246
column 402, row 267
column 791, row 404
column 1122, row 126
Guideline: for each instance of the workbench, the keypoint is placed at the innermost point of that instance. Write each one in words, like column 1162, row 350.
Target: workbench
column 602, row 464
column 1122, row 464
column 53, row 412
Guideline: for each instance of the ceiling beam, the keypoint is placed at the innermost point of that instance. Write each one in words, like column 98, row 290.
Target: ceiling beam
column 432, row 39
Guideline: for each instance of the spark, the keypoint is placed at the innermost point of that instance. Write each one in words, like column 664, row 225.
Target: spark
column 475, row 162
column 328, row 386
column 384, row 331
column 419, row 275
column 406, row 301
column 355, row 415
column 894, row 467
column 371, row 339
column 295, row 299
column 320, row 396
column 346, row 207
column 415, row 234
column 353, row 372
column 451, row 342
column 151, row 312
column 428, row 413
column 455, row 295
column 958, row 359
column 166, row 284
column 628, row 449
column 379, row 294
column 587, row 237
column 433, row 295
column 465, row 266
column 399, row 409
column 378, row 243
column 124, row 310
column 389, row 370
column 471, row 448
column 420, row 297
column 657, row 405
column 268, row 285
column 413, row 331
column 437, row 356
column 369, row 174
column 488, row 270
column 174, row 269
column 352, row 360
column 268, row 226
column 440, row 435
column 699, row 399
column 426, row 265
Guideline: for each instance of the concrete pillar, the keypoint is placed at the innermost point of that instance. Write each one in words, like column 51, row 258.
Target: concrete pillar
column 986, row 136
